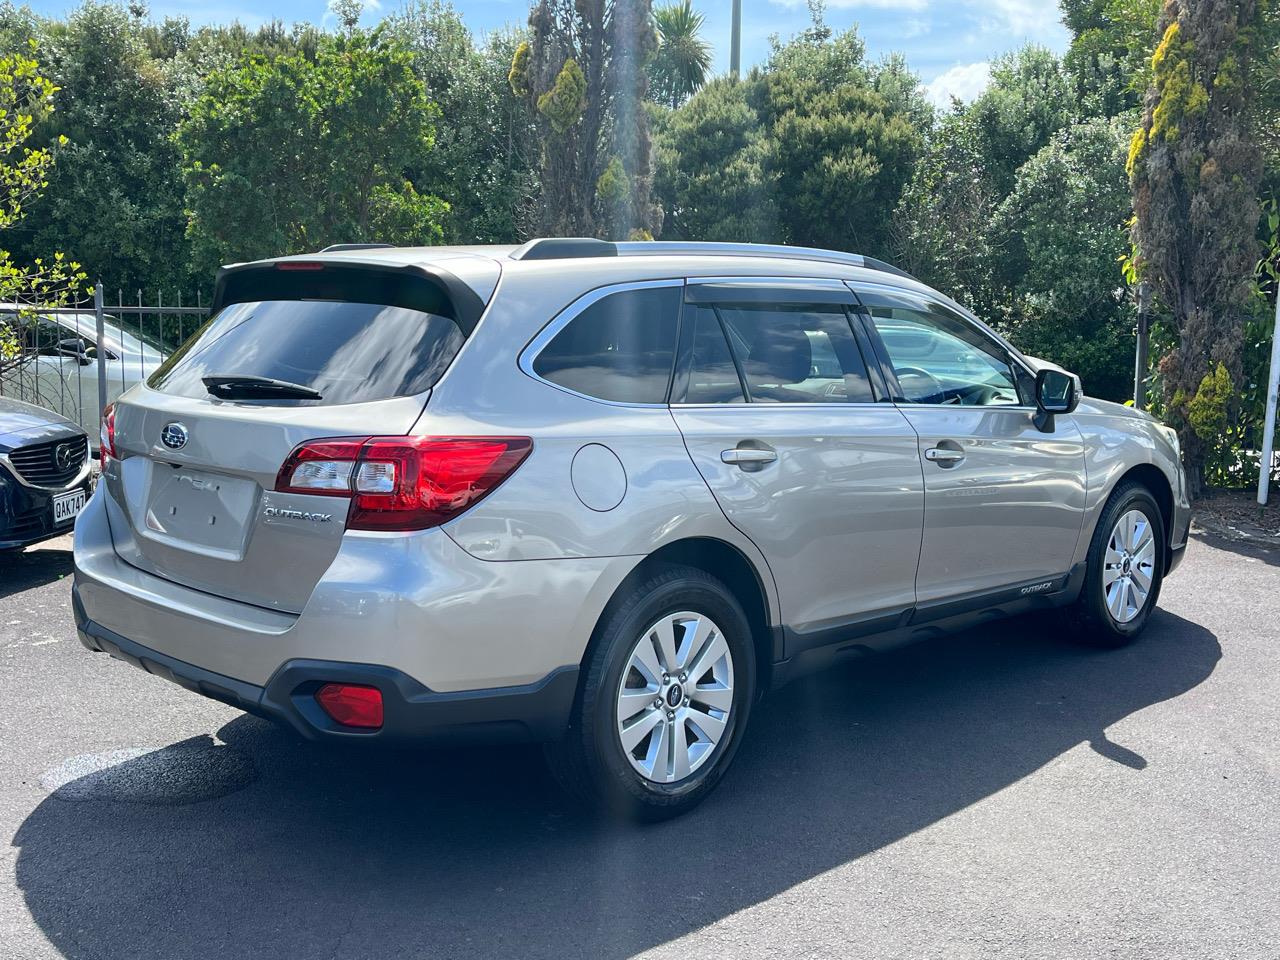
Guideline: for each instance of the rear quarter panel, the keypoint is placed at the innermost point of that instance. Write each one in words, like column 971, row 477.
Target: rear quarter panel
column 538, row 513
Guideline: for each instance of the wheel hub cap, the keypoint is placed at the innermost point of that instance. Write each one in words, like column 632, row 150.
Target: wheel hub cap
column 1128, row 569
column 675, row 698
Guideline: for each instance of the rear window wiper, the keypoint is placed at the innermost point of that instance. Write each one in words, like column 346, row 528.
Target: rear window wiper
column 243, row 386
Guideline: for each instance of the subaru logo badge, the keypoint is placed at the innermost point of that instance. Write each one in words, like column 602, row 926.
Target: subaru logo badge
column 174, row 436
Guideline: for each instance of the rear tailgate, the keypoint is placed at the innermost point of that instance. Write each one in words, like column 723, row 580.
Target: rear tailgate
column 191, row 490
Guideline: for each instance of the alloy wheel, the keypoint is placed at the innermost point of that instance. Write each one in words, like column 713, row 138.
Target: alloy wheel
column 1128, row 569
column 675, row 697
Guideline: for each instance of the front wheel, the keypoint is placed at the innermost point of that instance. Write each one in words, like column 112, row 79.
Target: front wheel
column 1125, row 570
column 667, row 691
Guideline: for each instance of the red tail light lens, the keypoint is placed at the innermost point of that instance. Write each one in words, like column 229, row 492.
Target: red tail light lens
column 107, row 432
column 403, row 483
column 352, row 704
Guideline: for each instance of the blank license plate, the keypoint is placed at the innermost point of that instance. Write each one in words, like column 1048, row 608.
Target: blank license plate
column 67, row 505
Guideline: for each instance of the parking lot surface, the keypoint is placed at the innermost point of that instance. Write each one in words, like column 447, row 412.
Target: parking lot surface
column 999, row 793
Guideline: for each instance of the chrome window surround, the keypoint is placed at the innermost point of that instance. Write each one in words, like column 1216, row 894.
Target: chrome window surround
column 570, row 313
column 797, row 285
column 85, row 468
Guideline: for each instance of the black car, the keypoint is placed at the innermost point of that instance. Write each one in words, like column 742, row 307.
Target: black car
column 45, row 474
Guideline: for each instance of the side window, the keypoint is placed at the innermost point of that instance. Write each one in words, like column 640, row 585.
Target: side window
column 938, row 356
column 713, row 377
column 796, row 354
column 620, row 348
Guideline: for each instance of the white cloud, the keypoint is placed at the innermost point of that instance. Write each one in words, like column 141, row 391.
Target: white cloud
column 964, row 81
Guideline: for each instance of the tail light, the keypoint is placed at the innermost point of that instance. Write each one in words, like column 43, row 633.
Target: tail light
column 403, row 483
column 107, row 433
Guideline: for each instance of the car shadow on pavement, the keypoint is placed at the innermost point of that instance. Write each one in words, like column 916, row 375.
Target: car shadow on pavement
column 473, row 853
column 22, row 570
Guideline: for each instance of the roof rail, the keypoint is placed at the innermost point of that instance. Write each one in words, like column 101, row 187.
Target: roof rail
column 564, row 248
column 338, row 247
column 568, row 248
column 660, row 248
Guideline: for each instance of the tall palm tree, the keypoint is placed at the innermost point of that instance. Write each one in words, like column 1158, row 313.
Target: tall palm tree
column 683, row 58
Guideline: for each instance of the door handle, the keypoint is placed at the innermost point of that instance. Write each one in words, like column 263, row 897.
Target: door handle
column 748, row 455
column 944, row 456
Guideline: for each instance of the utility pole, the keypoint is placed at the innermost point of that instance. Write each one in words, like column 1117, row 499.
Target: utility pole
column 1269, row 425
column 1140, row 359
column 735, row 41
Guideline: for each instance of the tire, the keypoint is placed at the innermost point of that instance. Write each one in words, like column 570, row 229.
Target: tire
column 1105, row 614
column 592, row 763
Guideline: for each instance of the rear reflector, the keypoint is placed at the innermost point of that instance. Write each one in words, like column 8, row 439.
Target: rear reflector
column 403, row 483
column 352, row 704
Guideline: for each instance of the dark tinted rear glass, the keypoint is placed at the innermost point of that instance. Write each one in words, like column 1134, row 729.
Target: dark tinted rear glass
column 620, row 348
column 348, row 352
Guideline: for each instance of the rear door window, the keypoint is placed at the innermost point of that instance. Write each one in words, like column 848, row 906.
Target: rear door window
column 786, row 353
column 346, row 352
column 619, row 348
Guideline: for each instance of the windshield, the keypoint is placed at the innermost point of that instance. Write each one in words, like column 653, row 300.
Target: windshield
column 345, row 352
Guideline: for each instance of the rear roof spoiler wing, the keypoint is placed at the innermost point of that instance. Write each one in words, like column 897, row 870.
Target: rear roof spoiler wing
column 419, row 286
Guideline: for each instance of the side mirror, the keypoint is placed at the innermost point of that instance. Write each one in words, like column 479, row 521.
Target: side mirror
column 1056, row 392
column 74, row 347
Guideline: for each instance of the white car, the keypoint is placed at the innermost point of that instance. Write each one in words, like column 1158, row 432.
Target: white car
column 61, row 370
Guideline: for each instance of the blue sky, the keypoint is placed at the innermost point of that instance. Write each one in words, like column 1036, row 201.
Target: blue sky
column 948, row 42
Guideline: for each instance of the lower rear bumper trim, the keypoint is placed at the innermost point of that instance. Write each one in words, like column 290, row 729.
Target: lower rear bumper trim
column 537, row 711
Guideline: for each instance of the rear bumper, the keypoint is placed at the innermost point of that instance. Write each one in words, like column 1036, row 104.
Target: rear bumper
column 412, row 713
column 415, row 603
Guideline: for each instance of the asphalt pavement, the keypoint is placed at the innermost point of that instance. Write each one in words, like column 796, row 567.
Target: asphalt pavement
column 1000, row 793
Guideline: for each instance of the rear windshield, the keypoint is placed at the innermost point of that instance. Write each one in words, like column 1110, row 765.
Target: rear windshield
column 347, row 352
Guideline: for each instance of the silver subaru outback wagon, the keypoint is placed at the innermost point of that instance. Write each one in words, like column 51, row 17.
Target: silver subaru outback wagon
column 597, row 495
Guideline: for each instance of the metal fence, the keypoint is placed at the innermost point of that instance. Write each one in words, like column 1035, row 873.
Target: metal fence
column 76, row 359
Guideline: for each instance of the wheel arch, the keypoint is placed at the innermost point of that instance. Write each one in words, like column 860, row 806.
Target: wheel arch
column 1157, row 484
column 725, row 562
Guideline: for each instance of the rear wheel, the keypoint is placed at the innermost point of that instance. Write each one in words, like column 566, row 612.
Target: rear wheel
column 1125, row 570
column 665, row 697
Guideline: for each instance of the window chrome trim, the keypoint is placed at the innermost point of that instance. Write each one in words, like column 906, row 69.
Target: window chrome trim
column 797, row 284
column 570, row 313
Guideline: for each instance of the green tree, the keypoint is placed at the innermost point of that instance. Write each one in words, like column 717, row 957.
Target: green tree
column 805, row 150
column 581, row 74
column 484, row 160
column 115, row 194
column 682, row 61
column 713, row 168
column 1108, row 60
column 289, row 154
column 1194, row 169
column 1066, row 223
column 26, row 100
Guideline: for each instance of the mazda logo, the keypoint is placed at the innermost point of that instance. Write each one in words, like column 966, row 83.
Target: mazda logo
column 64, row 455
column 174, row 436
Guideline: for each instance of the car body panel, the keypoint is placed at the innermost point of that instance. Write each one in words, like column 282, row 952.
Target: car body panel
column 838, row 514
column 1010, row 511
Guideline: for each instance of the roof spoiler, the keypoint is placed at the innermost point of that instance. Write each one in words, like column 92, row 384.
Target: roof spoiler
column 424, row 287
